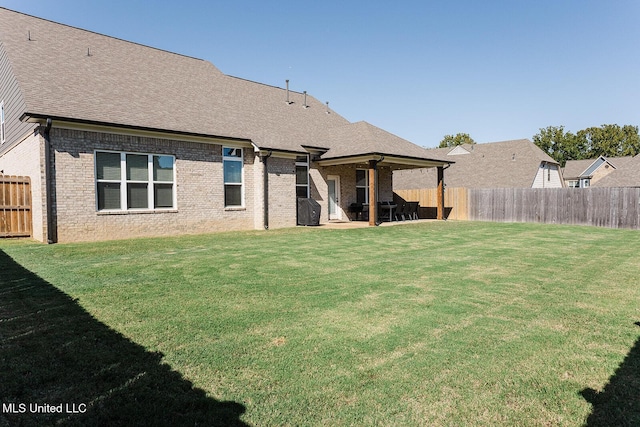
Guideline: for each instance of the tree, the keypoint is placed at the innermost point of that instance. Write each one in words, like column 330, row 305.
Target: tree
column 607, row 140
column 458, row 139
column 558, row 144
column 610, row 141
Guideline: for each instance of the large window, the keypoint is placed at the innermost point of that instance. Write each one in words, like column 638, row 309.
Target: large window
column 362, row 186
column 233, row 180
column 130, row 181
column 302, row 176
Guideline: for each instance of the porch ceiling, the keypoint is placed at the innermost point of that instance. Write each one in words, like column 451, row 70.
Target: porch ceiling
column 393, row 161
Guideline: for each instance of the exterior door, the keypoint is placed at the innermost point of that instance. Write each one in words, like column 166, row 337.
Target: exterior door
column 333, row 182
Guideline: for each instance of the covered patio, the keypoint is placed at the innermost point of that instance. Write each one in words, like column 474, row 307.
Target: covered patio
column 375, row 207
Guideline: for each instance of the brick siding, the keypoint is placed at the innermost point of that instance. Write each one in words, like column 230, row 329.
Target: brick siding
column 199, row 189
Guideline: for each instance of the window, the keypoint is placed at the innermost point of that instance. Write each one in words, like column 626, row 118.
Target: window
column 2, row 127
column 129, row 181
column 362, row 186
column 302, row 176
column 233, row 180
column 573, row 184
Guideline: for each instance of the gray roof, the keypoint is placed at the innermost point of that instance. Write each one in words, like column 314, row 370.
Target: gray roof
column 362, row 137
column 69, row 73
column 575, row 169
column 627, row 174
column 505, row 164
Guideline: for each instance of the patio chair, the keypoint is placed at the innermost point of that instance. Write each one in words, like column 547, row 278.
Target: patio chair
column 412, row 210
column 401, row 212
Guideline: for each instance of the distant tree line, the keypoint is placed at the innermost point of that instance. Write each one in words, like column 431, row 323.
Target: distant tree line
column 606, row 140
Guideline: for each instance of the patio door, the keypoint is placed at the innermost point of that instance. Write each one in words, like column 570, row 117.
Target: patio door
column 333, row 182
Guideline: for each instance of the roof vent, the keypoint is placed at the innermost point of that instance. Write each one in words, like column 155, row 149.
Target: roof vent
column 513, row 156
column 89, row 51
column 288, row 101
column 29, row 36
column 328, row 112
column 305, row 99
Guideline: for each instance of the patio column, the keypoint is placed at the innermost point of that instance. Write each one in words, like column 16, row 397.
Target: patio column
column 440, row 195
column 373, row 205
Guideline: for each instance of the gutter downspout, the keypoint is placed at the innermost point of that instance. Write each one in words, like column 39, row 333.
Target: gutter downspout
column 51, row 232
column 265, row 175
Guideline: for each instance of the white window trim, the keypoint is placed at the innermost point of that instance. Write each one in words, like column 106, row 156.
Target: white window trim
column 306, row 165
column 123, row 182
column 224, row 183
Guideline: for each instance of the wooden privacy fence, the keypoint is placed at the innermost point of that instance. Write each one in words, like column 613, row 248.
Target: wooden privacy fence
column 603, row 207
column 15, row 206
column 455, row 202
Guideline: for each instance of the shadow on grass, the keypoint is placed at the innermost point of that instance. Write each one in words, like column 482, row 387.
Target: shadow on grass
column 619, row 403
column 53, row 352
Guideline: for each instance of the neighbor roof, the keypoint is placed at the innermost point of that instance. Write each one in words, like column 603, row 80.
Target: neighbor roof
column 73, row 74
column 627, row 174
column 575, row 169
column 505, row 164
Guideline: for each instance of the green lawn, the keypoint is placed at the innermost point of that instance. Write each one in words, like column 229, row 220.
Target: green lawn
column 442, row 323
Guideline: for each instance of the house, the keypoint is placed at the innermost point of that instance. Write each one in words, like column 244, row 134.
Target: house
column 585, row 173
column 123, row 140
column 506, row 164
column 625, row 174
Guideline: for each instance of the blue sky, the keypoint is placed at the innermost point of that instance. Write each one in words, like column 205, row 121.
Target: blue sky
column 496, row 70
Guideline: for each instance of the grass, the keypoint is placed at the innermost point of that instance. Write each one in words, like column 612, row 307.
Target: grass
column 441, row 324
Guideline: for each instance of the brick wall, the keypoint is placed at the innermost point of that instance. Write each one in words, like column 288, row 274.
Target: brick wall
column 27, row 159
column 199, row 189
column 282, row 192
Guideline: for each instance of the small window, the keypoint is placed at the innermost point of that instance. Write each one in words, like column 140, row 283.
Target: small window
column 362, row 186
column 233, row 180
column 302, row 176
column 2, row 125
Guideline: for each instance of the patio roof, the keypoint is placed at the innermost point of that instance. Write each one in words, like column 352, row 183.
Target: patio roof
column 393, row 160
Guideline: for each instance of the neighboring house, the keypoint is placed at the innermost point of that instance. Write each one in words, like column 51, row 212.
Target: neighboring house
column 585, row 173
column 626, row 174
column 123, row 140
column 506, row 164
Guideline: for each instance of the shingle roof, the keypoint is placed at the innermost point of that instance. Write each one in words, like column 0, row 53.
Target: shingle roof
column 505, row 164
column 575, row 169
column 362, row 137
column 627, row 174
column 66, row 72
